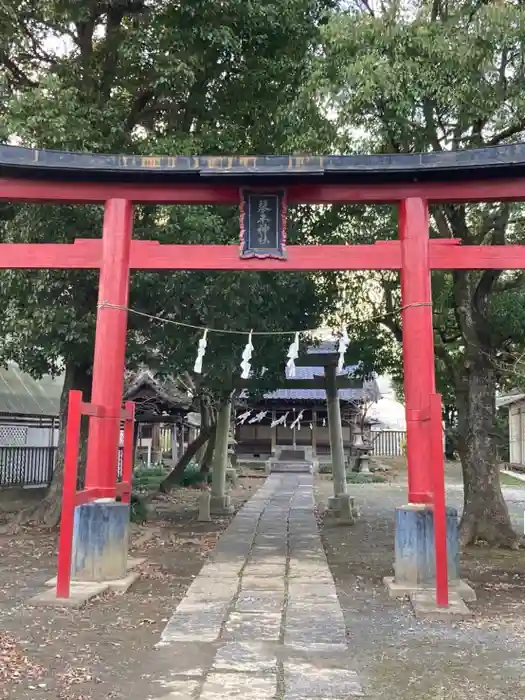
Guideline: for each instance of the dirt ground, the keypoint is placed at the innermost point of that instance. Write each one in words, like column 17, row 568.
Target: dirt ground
column 95, row 653
column 482, row 658
column 86, row 654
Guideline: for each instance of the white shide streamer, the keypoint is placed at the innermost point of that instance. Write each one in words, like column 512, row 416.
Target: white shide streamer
column 203, row 342
column 293, row 354
column 280, row 421
column 258, row 418
column 344, row 342
column 241, row 420
column 297, row 421
column 246, row 357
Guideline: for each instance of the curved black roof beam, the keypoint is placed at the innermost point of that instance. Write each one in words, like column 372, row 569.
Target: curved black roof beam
column 475, row 164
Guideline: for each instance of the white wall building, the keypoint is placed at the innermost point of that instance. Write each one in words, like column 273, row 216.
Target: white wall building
column 515, row 404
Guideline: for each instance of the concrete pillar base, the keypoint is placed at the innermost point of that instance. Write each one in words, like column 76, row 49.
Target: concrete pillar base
column 414, row 546
column 402, row 590
column 333, row 503
column 232, row 476
column 100, row 541
column 220, row 505
column 204, row 507
column 343, row 507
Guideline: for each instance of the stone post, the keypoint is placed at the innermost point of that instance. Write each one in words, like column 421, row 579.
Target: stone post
column 174, row 443
column 274, row 435
column 336, row 446
column 220, row 501
column 336, row 431
column 314, row 433
column 156, row 448
column 181, row 440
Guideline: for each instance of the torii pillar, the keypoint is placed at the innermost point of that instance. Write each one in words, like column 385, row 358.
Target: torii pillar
column 100, row 534
column 414, row 540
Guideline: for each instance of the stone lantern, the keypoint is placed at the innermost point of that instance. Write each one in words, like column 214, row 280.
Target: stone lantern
column 361, row 451
column 231, row 466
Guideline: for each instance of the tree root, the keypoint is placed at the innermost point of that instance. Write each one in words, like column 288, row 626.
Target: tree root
column 493, row 532
column 44, row 514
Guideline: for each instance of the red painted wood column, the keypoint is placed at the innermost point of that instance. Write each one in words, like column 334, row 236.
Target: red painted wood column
column 418, row 342
column 110, row 344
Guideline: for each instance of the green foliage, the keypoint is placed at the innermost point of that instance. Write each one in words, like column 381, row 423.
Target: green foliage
column 138, row 512
column 148, row 479
column 325, row 468
column 396, row 83
column 157, row 77
column 429, row 76
column 353, row 477
column 193, row 476
column 360, row 478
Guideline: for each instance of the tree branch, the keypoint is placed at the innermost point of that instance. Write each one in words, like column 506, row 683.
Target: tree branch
column 490, row 277
column 510, row 284
column 430, row 123
column 137, row 107
column 116, row 12
column 450, row 368
column 22, row 78
column 389, row 320
column 511, row 130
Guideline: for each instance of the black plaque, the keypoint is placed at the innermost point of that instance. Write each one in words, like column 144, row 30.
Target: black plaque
column 263, row 224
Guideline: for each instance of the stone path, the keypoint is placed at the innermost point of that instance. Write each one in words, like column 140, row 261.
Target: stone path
column 263, row 615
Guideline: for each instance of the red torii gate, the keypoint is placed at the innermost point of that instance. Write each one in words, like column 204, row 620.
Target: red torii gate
column 410, row 182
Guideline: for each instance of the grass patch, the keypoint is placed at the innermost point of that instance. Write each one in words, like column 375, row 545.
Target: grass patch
column 509, row 480
column 192, row 476
column 356, row 477
column 146, row 481
column 325, row 469
column 360, row 478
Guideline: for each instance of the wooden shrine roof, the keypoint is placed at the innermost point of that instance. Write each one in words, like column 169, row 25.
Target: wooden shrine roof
column 485, row 163
column 308, row 384
column 155, row 395
column 21, row 395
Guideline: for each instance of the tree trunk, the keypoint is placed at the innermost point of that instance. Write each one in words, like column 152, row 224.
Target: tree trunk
column 485, row 514
column 205, row 423
column 177, row 472
column 48, row 511
column 210, row 418
column 208, row 455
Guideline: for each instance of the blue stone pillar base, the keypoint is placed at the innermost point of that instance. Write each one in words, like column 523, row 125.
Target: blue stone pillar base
column 100, row 541
column 414, row 546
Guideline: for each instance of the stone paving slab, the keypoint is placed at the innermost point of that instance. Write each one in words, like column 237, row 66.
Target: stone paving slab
column 246, row 657
column 265, row 608
column 226, row 686
column 250, row 626
column 260, row 601
column 262, row 583
column 194, row 626
column 302, row 681
column 182, row 689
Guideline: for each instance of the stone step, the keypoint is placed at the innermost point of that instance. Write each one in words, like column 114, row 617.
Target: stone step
column 291, row 467
column 292, row 456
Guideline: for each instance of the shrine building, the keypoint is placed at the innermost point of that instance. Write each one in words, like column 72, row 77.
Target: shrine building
column 301, row 407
